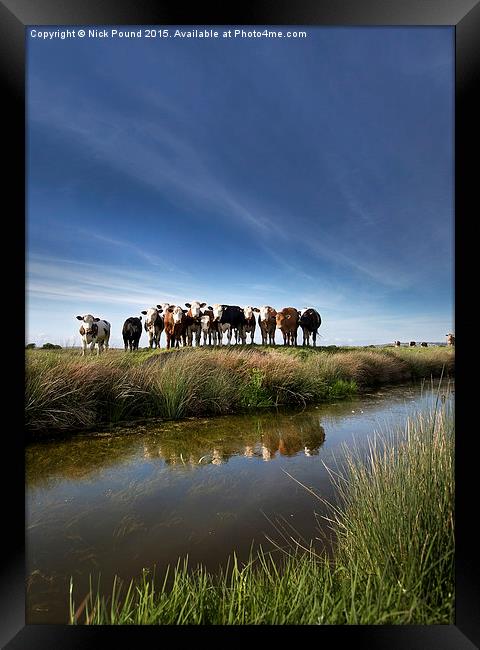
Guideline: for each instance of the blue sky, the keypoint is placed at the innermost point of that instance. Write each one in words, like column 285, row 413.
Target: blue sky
column 294, row 172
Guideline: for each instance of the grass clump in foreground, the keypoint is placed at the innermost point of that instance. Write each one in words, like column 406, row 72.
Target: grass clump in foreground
column 67, row 392
column 393, row 561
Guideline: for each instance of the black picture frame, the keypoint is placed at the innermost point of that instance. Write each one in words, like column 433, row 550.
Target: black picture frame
column 15, row 15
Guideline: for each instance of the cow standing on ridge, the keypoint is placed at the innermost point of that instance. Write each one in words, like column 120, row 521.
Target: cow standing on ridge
column 162, row 309
column 229, row 319
column 175, row 320
column 250, row 324
column 208, row 326
column 193, row 324
column 268, row 324
column 287, row 322
column 131, row 333
column 310, row 321
column 94, row 331
column 450, row 339
column 153, row 325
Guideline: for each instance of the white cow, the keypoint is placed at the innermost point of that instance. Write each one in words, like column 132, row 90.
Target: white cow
column 194, row 325
column 153, row 325
column 94, row 330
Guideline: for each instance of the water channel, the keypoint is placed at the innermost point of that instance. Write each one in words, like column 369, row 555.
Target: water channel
column 114, row 502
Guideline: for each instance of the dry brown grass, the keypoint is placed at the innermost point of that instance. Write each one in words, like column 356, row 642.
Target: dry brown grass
column 66, row 391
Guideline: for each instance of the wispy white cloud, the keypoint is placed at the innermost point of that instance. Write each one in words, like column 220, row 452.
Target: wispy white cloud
column 164, row 156
column 67, row 280
column 158, row 157
column 162, row 262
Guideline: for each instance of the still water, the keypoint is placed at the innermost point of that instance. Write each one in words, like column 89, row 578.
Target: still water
column 115, row 502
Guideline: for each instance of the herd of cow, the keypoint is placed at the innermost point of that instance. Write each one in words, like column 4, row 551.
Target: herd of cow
column 412, row 344
column 184, row 326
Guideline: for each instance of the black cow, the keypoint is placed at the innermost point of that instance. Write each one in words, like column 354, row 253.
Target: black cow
column 229, row 319
column 412, row 344
column 131, row 332
column 424, row 345
column 310, row 321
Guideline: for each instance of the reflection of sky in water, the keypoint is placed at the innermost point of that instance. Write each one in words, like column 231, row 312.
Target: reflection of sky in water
column 116, row 504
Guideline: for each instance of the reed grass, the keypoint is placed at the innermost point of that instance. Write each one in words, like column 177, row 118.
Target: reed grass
column 392, row 562
column 67, row 392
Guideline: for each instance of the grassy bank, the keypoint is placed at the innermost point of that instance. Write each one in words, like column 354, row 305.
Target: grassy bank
column 392, row 563
column 67, row 392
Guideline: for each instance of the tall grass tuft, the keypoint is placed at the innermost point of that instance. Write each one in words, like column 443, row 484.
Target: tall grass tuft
column 392, row 562
column 394, row 525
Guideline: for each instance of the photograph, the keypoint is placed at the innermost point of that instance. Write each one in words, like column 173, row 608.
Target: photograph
column 240, row 336
column 243, row 239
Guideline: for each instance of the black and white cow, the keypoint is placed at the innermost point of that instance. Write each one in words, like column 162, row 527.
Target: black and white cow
column 209, row 326
column 153, row 325
column 310, row 321
column 94, row 331
column 229, row 319
column 131, row 332
column 250, row 323
column 193, row 324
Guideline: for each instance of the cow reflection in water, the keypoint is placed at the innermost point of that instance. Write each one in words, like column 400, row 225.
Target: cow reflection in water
column 272, row 439
column 290, row 443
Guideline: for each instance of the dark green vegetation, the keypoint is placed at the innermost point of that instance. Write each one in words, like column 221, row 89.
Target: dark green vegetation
column 65, row 391
column 392, row 562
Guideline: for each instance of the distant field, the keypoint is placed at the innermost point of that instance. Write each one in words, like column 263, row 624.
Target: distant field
column 68, row 392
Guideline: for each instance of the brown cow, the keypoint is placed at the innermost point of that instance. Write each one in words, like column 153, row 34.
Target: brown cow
column 450, row 339
column 175, row 326
column 268, row 323
column 287, row 322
